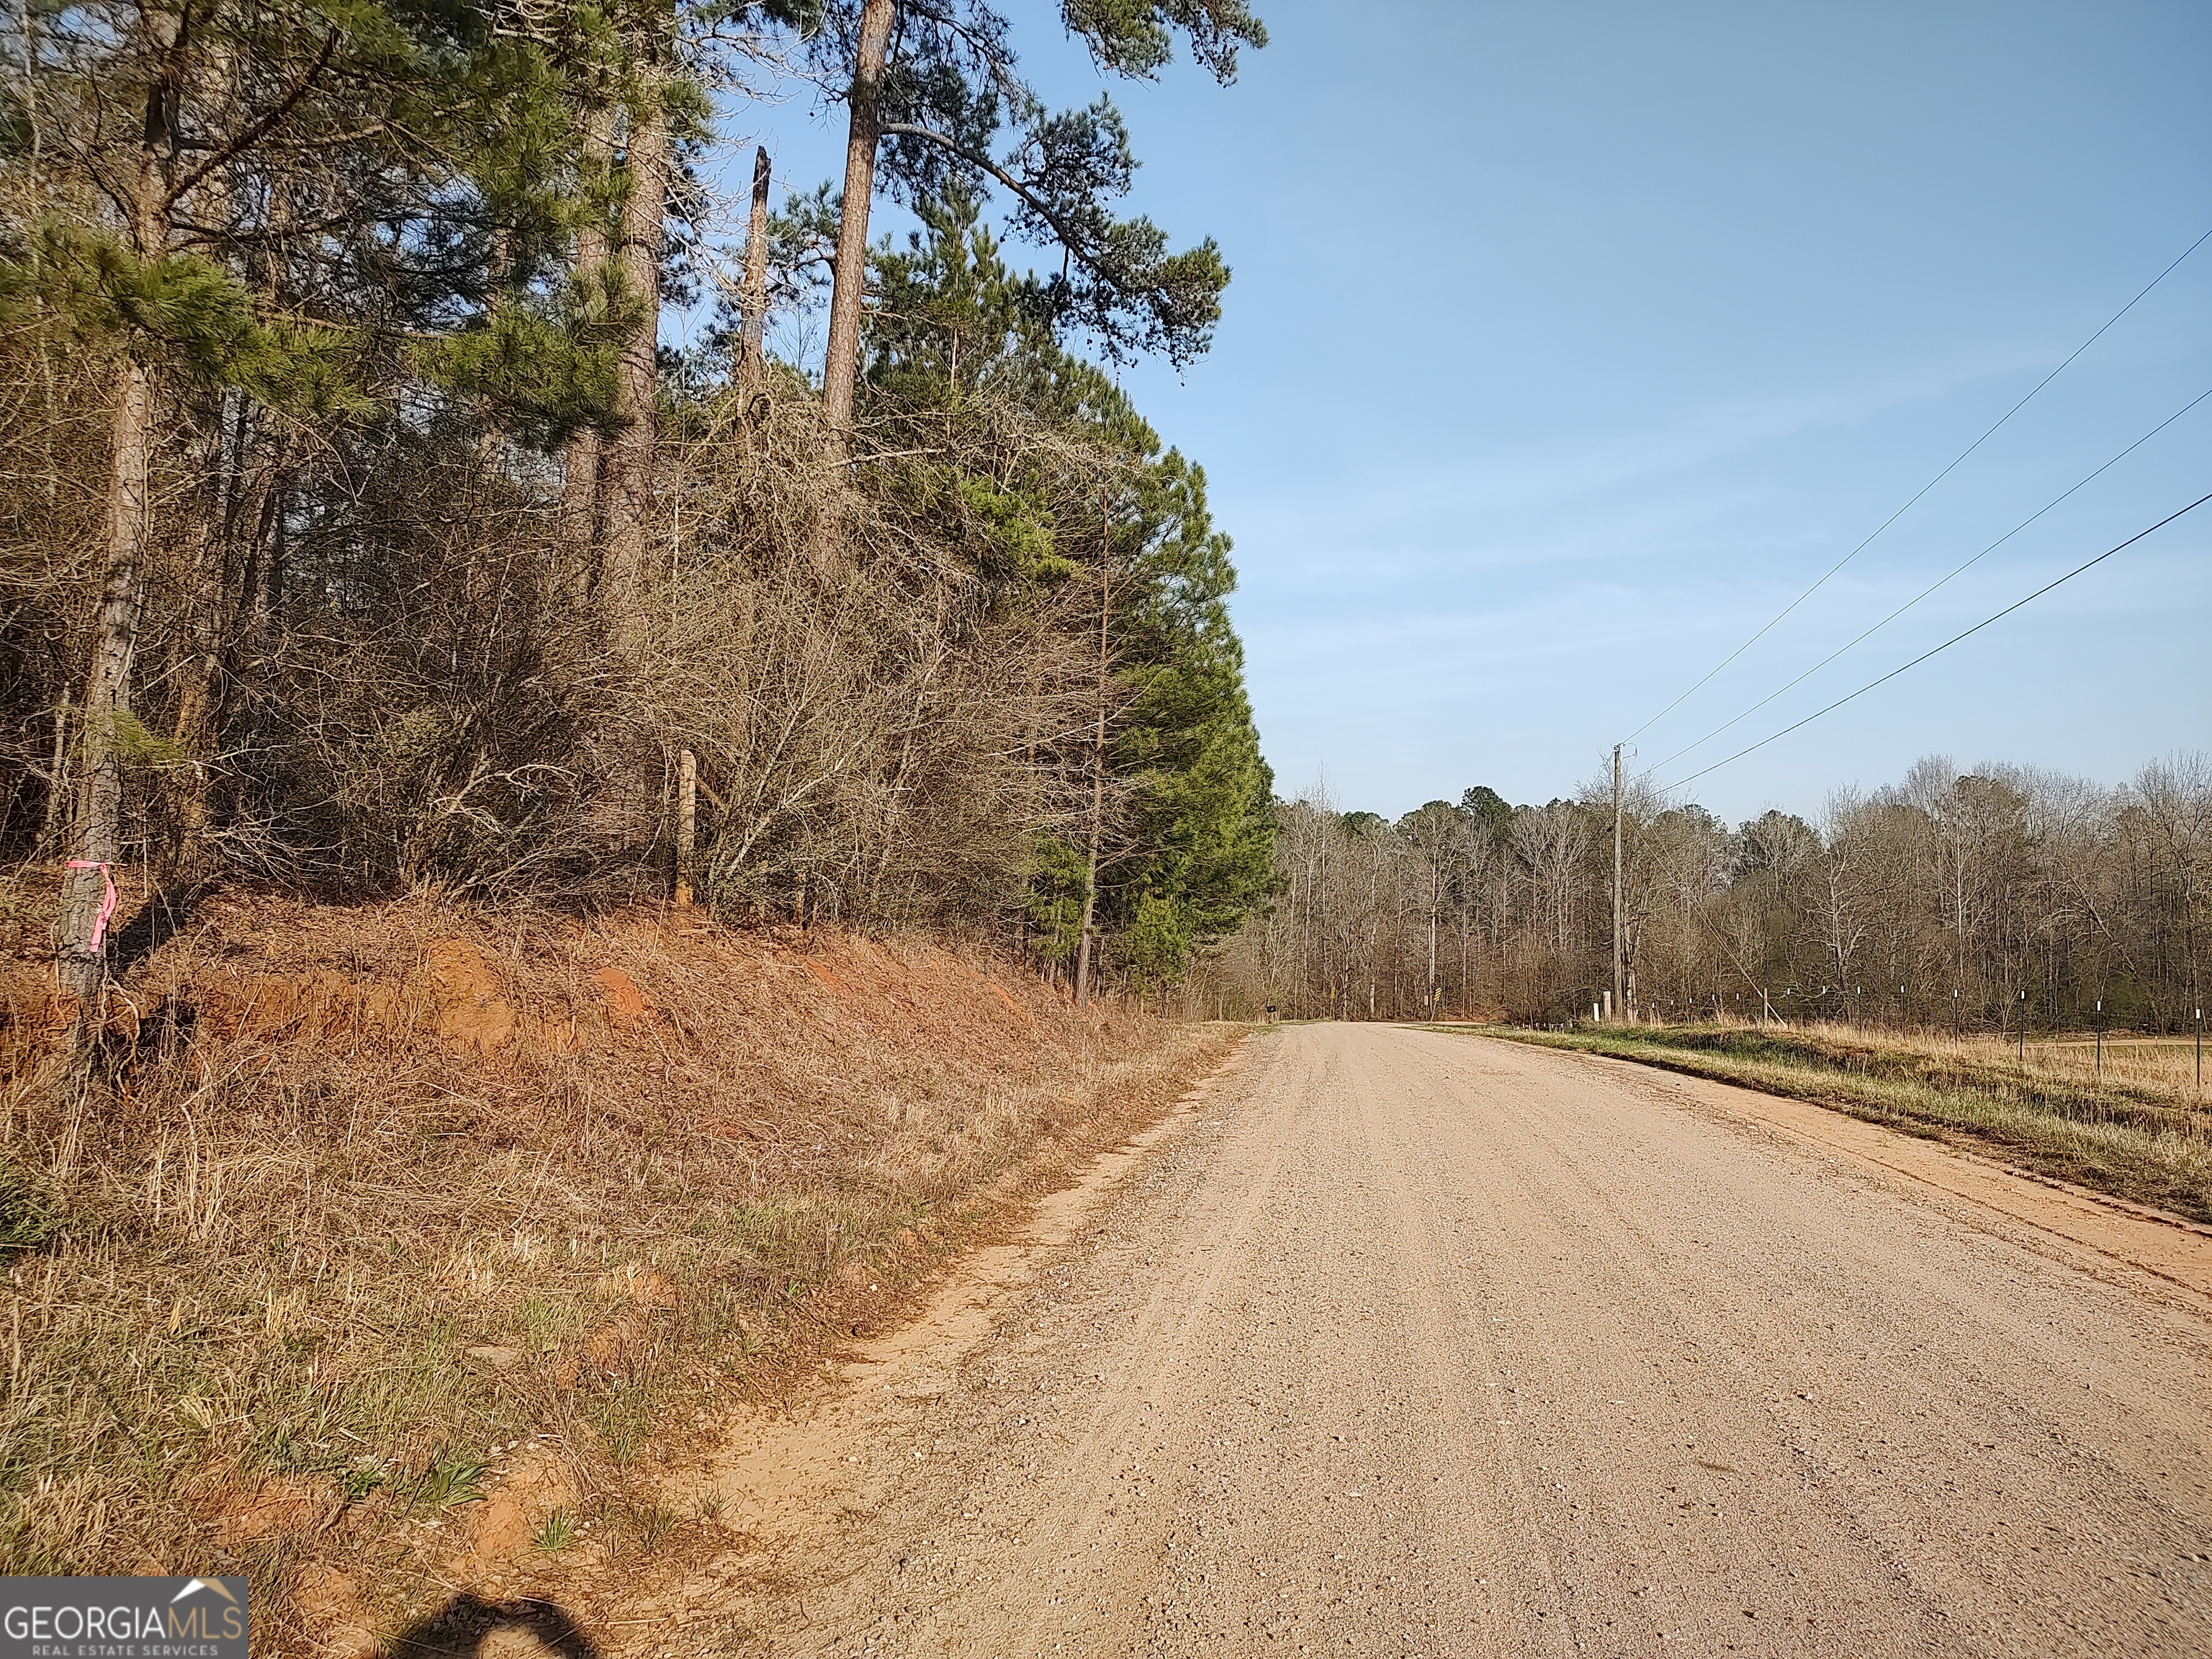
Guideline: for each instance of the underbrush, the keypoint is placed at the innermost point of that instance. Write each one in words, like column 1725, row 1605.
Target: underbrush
column 368, row 1217
column 2140, row 1137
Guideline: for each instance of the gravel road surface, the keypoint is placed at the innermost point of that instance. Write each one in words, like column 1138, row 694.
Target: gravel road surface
column 1405, row 1342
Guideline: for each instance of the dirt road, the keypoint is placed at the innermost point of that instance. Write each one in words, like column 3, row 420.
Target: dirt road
column 1404, row 1342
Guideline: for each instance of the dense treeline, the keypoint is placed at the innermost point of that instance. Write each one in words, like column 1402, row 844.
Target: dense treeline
column 1942, row 899
column 361, row 532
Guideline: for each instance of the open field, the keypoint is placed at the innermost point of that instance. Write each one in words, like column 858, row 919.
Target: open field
column 2165, row 1063
column 2139, row 1134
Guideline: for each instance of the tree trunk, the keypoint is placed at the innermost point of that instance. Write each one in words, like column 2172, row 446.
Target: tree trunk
column 627, row 472
column 195, row 688
column 579, row 491
column 752, row 350
column 82, row 958
column 1091, row 890
column 80, row 953
column 1098, row 783
column 54, row 829
column 840, row 366
column 1436, row 901
column 212, row 619
column 580, row 461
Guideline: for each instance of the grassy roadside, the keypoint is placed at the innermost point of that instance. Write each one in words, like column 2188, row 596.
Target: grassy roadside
column 2140, row 1141
column 399, row 1249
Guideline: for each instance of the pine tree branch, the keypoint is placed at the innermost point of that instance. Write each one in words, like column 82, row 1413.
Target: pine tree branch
column 1069, row 238
column 256, row 130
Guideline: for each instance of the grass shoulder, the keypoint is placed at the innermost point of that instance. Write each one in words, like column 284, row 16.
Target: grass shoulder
column 2141, row 1138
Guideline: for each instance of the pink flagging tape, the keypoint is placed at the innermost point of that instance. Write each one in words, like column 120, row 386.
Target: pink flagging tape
column 106, row 903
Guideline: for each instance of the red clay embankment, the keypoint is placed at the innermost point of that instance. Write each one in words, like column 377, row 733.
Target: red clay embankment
column 393, row 1248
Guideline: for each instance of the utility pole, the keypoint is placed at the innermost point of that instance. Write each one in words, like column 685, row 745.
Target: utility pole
column 1620, row 989
column 1436, row 903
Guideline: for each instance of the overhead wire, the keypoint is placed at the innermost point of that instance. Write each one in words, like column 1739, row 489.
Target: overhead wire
column 1936, row 650
column 1786, row 610
column 1955, row 571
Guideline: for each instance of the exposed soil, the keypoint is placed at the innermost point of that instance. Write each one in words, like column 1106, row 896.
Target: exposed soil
column 394, row 1253
column 1409, row 1342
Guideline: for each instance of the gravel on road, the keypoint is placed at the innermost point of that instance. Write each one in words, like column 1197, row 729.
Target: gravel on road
column 1411, row 1343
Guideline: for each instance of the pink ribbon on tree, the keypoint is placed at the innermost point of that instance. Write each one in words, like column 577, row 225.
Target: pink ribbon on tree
column 106, row 903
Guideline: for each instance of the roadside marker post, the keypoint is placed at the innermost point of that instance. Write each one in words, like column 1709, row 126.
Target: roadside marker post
column 2101, row 1039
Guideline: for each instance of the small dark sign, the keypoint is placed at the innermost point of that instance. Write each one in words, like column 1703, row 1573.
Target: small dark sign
column 122, row 1618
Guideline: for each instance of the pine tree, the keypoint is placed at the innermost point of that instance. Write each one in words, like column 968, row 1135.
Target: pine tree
column 1113, row 518
column 928, row 88
column 219, row 175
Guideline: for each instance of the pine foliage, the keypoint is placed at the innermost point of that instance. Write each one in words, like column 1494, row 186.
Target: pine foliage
column 363, row 269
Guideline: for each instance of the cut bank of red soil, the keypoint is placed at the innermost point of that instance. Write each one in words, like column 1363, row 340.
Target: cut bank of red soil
column 400, row 1247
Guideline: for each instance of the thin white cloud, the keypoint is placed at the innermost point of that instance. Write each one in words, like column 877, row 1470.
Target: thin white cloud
column 1408, row 509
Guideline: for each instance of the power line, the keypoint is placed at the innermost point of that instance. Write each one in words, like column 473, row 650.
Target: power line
column 1946, row 646
column 1955, row 571
column 1785, row 610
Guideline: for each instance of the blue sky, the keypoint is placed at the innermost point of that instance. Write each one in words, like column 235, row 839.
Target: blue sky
column 1568, row 343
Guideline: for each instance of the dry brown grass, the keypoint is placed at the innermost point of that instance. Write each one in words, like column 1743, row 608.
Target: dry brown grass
column 2156, row 1070
column 371, row 1212
column 2160, row 1067
column 2140, row 1134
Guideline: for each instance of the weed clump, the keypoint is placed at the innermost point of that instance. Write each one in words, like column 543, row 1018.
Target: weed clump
column 27, row 1215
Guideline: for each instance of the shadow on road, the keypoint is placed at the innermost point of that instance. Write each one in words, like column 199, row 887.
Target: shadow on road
column 460, row 1628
